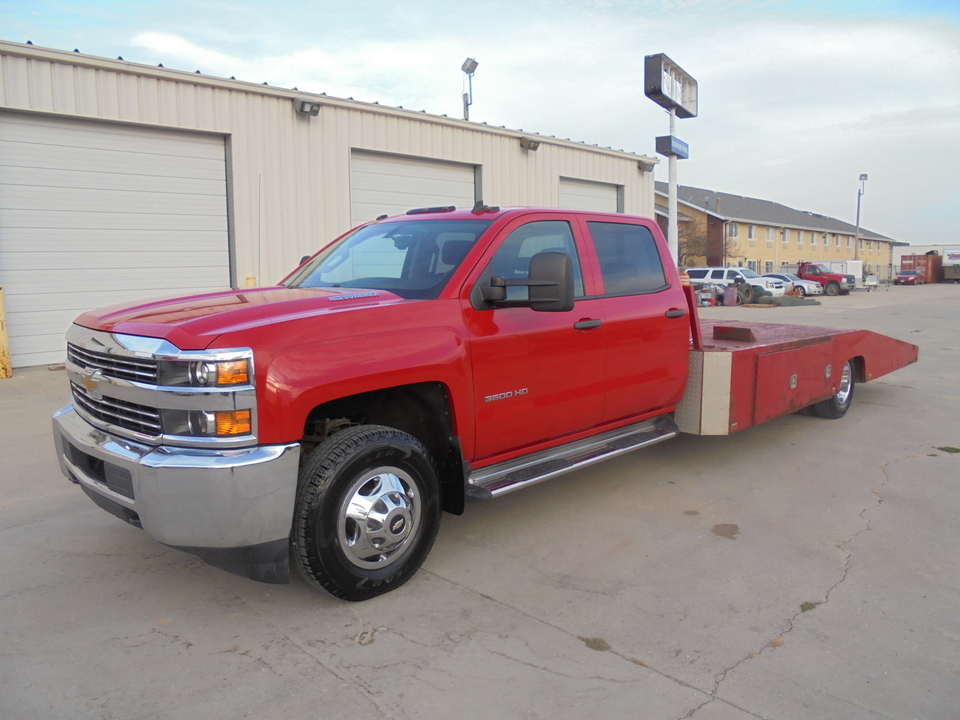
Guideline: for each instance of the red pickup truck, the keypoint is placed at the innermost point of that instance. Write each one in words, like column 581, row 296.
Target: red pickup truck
column 833, row 283
column 414, row 362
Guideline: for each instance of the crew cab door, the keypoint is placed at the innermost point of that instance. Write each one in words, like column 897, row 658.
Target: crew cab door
column 537, row 375
column 646, row 320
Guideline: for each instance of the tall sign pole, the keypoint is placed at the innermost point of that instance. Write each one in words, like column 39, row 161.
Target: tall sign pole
column 668, row 85
column 673, row 224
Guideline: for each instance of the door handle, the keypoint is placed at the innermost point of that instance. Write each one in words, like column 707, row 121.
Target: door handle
column 675, row 313
column 587, row 324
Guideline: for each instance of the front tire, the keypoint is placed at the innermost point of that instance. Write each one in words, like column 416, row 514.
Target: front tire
column 367, row 512
column 837, row 406
column 832, row 289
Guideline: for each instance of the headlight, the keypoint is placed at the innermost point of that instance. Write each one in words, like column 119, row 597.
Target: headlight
column 205, row 373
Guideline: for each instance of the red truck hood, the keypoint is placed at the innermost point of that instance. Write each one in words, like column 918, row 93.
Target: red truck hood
column 193, row 322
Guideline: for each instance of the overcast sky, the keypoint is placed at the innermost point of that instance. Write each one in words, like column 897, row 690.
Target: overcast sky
column 797, row 97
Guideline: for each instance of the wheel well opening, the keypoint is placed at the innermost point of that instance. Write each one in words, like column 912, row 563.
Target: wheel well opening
column 423, row 410
column 859, row 369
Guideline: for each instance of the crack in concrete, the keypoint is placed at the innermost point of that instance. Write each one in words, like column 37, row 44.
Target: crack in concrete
column 778, row 641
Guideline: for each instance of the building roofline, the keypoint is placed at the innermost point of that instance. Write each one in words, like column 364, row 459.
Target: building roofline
column 31, row 51
column 865, row 234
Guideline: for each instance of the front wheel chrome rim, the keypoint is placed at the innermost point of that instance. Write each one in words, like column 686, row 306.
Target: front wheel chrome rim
column 846, row 385
column 379, row 518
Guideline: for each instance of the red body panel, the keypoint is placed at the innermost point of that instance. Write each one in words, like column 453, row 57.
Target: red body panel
column 782, row 370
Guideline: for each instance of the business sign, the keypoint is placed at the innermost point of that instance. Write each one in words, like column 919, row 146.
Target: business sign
column 673, row 147
column 669, row 86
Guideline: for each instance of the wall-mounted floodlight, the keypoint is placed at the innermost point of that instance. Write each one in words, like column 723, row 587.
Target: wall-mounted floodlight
column 469, row 67
column 305, row 106
column 529, row 144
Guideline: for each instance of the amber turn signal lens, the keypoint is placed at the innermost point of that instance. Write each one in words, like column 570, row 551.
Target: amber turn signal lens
column 235, row 372
column 234, row 422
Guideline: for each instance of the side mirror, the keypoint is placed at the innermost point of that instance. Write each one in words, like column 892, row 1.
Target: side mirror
column 549, row 284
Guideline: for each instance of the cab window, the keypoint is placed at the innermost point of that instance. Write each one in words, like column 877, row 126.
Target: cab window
column 512, row 260
column 629, row 259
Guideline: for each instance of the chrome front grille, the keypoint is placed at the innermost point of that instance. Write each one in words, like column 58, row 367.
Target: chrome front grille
column 140, row 419
column 117, row 366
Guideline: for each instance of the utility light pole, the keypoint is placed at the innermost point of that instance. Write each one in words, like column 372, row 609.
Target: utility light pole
column 469, row 67
column 856, row 237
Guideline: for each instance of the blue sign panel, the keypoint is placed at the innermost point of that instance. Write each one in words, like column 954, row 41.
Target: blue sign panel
column 673, row 146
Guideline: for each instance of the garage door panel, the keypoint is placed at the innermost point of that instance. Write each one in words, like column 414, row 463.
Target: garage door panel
column 90, row 200
column 96, row 214
column 25, row 156
column 76, row 260
column 53, row 132
column 589, row 195
column 62, row 221
column 392, row 184
column 85, row 177
column 40, row 241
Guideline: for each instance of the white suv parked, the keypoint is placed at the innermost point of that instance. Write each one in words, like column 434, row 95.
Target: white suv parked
column 730, row 275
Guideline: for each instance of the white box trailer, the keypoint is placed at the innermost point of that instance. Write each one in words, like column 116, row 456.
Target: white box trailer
column 847, row 267
column 951, row 265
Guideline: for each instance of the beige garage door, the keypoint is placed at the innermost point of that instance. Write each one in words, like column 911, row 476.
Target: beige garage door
column 382, row 184
column 93, row 214
column 590, row 195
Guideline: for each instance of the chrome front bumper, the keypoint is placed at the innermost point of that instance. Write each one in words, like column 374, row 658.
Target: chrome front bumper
column 232, row 507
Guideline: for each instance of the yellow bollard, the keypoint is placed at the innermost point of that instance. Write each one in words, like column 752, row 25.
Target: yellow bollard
column 6, row 367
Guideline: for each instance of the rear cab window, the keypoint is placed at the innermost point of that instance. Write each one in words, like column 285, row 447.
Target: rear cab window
column 630, row 262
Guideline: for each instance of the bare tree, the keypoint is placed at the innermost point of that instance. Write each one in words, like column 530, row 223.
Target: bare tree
column 692, row 243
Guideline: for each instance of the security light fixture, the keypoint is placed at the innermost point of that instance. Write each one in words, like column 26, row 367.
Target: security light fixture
column 469, row 67
column 305, row 106
column 529, row 144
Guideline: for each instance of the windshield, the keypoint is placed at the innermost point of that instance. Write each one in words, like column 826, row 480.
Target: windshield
column 413, row 259
column 747, row 272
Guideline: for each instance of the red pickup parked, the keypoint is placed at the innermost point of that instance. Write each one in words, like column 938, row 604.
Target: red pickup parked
column 833, row 283
column 412, row 363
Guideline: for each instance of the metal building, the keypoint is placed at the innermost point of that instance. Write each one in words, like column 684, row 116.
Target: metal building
column 121, row 181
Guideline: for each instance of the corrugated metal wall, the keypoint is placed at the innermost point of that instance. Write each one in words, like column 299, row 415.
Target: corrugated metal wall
column 288, row 174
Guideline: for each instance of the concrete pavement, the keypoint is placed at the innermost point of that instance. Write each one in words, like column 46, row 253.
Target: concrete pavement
column 802, row 569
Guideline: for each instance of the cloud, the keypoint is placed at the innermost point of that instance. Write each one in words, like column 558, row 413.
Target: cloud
column 792, row 106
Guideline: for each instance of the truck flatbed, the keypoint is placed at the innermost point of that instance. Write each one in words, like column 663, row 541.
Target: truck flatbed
column 743, row 373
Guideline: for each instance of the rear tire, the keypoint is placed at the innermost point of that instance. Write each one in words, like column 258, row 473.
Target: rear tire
column 367, row 512
column 837, row 406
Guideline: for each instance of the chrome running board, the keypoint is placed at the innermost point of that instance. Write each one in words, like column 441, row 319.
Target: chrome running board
column 496, row 480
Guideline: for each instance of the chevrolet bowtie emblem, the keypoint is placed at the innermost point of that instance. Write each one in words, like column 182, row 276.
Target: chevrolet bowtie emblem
column 91, row 383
